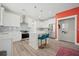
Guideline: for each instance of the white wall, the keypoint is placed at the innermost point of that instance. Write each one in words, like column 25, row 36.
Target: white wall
column 45, row 24
column 30, row 21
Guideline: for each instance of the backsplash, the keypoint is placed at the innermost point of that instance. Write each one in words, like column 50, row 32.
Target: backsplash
column 8, row 28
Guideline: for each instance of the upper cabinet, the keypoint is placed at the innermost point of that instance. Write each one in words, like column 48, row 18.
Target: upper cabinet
column 8, row 18
column 11, row 19
column 1, row 15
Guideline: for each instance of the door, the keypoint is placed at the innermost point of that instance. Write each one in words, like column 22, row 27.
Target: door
column 66, row 32
column 1, row 15
column 52, row 31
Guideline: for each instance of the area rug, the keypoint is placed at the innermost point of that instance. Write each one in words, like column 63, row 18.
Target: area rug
column 63, row 51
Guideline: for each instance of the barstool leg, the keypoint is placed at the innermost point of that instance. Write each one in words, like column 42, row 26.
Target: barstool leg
column 41, row 43
column 45, row 42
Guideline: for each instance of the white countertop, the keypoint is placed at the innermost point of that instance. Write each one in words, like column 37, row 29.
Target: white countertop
column 6, row 35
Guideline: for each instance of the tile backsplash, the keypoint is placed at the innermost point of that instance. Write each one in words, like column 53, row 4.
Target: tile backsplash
column 8, row 28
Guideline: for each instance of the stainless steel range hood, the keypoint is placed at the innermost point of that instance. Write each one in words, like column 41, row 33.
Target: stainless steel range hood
column 23, row 20
column 24, row 24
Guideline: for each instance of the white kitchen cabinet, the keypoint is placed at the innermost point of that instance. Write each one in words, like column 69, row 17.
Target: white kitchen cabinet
column 8, row 18
column 16, row 36
column 1, row 15
column 7, row 39
column 6, row 45
column 11, row 19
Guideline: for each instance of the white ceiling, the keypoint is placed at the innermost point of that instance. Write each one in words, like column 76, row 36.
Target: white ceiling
column 41, row 10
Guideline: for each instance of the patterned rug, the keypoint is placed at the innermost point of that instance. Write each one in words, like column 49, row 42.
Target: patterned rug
column 67, row 52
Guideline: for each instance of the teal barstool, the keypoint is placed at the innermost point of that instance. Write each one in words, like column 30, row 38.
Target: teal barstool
column 45, row 38
column 41, row 38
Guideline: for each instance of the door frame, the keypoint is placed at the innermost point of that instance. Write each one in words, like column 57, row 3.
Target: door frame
column 75, row 16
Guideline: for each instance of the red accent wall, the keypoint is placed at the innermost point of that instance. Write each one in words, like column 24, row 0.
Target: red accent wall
column 70, row 12
column 78, row 29
column 74, row 11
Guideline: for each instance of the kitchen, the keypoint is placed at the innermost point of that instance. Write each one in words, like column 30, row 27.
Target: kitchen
column 20, row 24
column 15, row 28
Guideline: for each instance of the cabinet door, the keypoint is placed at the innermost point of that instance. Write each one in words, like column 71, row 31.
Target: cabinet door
column 1, row 15
column 6, row 45
column 11, row 19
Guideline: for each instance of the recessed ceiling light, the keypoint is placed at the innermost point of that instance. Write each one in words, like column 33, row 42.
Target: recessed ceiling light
column 23, row 9
column 41, row 10
column 35, row 6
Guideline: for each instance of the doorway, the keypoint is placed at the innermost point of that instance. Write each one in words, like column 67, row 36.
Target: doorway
column 66, row 30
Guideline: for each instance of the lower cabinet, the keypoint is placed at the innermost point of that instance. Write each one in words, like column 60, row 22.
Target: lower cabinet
column 5, row 47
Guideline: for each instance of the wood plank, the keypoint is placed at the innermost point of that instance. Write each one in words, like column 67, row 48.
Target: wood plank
column 22, row 48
